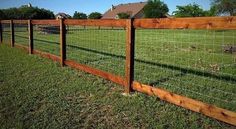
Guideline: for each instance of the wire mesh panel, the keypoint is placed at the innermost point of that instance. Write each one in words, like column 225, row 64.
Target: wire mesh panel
column 46, row 38
column 21, row 34
column 200, row 64
column 99, row 47
column 6, row 33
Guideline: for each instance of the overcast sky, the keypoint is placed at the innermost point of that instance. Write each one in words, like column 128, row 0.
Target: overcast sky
column 88, row 6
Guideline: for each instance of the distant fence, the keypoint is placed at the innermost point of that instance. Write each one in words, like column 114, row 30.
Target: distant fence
column 194, row 57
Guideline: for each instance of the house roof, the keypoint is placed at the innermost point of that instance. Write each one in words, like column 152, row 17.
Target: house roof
column 64, row 15
column 131, row 8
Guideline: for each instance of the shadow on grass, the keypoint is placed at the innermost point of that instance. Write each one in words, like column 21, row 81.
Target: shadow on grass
column 168, row 66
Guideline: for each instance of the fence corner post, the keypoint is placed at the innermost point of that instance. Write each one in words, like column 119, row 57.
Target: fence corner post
column 12, row 33
column 129, row 65
column 30, row 31
column 62, row 42
column 1, row 32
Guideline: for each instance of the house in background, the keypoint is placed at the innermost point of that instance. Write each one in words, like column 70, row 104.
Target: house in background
column 62, row 16
column 135, row 10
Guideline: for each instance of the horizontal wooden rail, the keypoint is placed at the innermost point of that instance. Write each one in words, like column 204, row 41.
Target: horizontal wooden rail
column 20, row 21
column 5, row 21
column 46, row 22
column 225, row 23
column 194, row 105
column 100, row 73
column 105, row 23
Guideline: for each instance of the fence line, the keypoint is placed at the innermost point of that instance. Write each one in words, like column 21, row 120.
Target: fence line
column 209, row 23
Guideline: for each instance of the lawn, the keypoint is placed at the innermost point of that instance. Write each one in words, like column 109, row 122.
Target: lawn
column 37, row 93
column 187, row 62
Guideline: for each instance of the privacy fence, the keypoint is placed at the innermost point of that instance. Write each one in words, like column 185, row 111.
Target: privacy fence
column 189, row 62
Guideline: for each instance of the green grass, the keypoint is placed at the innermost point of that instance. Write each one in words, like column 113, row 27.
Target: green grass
column 37, row 93
column 187, row 62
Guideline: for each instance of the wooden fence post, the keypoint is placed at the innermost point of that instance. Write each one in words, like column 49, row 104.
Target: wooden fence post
column 12, row 33
column 30, row 31
column 1, row 32
column 62, row 42
column 130, row 43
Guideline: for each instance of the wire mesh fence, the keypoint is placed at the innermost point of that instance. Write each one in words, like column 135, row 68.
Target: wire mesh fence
column 46, row 38
column 21, row 34
column 199, row 64
column 6, row 33
column 99, row 47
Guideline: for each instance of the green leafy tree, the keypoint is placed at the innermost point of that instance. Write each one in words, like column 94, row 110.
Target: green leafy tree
column 2, row 15
column 95, row 15
column 79, row 15
column 212, row 11
column 123, row 16
column 25, row 12
column 225, row 6
column 155, row 9
column 190, row 10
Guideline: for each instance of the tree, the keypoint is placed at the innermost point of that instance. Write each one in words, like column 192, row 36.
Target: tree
column 2, row 15
column 225, row 6
column 123, row 15
column 79, row 15
column 190, row 10
column 95, row 15
column 155, row 9
column 25, row 12
column 212, row 11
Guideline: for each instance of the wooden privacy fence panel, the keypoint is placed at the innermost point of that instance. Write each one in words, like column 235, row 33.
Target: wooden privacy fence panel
column 132, row 36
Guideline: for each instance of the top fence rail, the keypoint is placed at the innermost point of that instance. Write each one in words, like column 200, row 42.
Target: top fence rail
column 211, row 23
column 215, row 23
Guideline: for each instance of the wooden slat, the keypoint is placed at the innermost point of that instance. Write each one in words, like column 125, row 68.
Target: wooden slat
column 194, row 105
column 100, row 73
column 47, row 55
column 62, row 42
column 101, row 22
column 31, row 44
column 22, row 47
column 20, row 21
column 225, row 23
column 46, row 22
column 129, row 65
column 6, row 21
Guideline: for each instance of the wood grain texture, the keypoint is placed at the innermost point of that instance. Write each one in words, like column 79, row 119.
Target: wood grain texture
column 6, row 21
column 20, row 21
column 217, row 23
column 129, row 63
column 191, row 104
column 46, row 22
column 100, row 22
column 62, row 42
column 100, row 73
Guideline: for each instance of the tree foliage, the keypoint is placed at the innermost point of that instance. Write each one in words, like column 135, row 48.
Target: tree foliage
column 95, row 15
column 79, row 15
column 225, row 6
column 123, row 16
column 25, row 12
column 155, row 9
column 190, row 10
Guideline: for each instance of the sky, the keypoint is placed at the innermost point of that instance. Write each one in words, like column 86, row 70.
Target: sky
column 88, row 6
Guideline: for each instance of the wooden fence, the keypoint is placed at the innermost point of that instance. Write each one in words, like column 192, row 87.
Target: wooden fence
column 130, row 85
